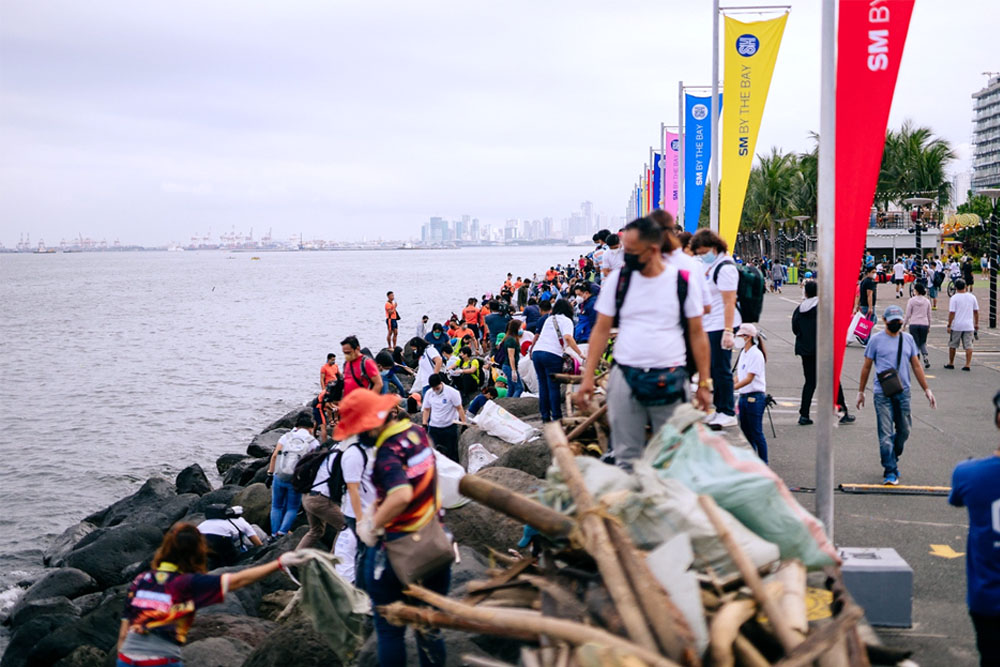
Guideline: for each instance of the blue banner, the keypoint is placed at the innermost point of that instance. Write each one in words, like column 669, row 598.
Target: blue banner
column 657, row 180
column 697, row 151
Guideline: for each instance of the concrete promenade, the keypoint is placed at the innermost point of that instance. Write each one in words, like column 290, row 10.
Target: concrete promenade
column 960, row 428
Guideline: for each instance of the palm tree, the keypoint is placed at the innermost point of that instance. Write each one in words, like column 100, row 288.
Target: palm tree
column 913, row 163
column 770, row 192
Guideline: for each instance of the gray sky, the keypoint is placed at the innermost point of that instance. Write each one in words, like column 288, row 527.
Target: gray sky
column 149, row 121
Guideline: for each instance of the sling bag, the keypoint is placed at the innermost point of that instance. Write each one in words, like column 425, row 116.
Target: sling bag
column 889, row 379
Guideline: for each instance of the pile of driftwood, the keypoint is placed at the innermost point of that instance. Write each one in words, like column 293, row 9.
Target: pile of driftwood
column 586, row 596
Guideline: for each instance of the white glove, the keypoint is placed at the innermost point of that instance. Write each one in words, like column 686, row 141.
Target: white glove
column 930, row 397
column 292, row 559
column 728, row 341
column 366, row 530
column 861, row 399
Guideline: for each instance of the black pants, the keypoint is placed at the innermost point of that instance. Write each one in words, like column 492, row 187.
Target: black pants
column 445, row 439
column 809, row 371
column 987, row 638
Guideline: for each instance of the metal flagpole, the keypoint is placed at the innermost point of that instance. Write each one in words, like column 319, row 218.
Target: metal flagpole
column 662, row 194
column 827, row 237
column 713, row 120
column 679, row 222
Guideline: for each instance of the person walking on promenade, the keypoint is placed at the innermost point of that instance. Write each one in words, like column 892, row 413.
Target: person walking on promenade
column 555, row 336
column 161, row 602
column 868, row 294
column 918, row 318
column 975, row 485
column 751, row 383
column 391, row 320
column 804, row 328
column 723, row 279
column 329, row 371
column 893, row 354
column 963, row 324
column 291, row 447
column 442, row 409
column 777, row 276
column 899, row 276
column 359, row 371
column 648, row 381
column 967, row 275
column 404, row 475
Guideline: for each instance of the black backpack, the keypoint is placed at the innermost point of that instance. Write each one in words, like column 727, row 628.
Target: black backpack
column 749, row 291
column 625, row 277
column 306, row 469
column 336, row 484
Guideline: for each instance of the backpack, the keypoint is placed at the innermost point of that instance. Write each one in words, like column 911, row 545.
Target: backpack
column 306, row 469
column 625, row 277
column 291, row 452
column 335, row 483
column 337, row 391
column 749, row 291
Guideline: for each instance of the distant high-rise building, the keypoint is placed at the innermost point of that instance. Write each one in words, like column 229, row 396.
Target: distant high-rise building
column 510, row 230
column 474, row 235
column 461, row 229
column 548, row 228
column 960, row 184
column 587, row 213
column 986, row 135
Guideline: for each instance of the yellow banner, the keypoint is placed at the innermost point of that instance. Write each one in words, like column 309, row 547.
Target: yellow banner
column 751, row 50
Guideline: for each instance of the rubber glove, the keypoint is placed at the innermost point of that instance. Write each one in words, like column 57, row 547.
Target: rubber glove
column 291, row 559
column 366, row 530
column 728, row 341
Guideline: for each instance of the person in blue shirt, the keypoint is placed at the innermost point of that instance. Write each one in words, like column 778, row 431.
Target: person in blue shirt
column 975, row 485
column 892, row 349
column 588, row 316
column 531, row 314
column 437, row 337
column 487, row 394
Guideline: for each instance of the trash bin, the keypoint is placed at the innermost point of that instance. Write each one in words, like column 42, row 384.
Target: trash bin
column 793, row 275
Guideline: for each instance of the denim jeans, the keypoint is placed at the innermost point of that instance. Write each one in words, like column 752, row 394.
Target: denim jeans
column 387, row 589
column 390, row 379
column 752, row 421
column 514, row 387
column 722, row 374
column 285, row 504
column 547, row 365
column 893, row 415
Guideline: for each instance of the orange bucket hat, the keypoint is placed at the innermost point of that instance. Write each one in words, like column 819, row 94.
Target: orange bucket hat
column 362, row 410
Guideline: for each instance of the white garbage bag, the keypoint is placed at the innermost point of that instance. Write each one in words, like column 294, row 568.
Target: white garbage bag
column 501, row 424
column 479, row 457
column 449, row 475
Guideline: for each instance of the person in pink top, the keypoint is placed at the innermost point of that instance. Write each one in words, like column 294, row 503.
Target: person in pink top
column 918, row 318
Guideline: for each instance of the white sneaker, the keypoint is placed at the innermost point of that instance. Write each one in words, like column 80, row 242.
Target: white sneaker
column 709, row 418
column 724, row 421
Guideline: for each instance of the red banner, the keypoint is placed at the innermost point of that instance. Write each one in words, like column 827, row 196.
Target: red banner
column 870, row 40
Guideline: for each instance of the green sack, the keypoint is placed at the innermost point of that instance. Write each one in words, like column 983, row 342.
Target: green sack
column 336, row 608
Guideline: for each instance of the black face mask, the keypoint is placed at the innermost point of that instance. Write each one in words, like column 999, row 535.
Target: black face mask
column 367, row 439
column 633, row 263
column 894, row 326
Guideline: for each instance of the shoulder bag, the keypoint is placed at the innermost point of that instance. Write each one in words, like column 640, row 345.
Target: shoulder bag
column 889, row 379
column 423, row 552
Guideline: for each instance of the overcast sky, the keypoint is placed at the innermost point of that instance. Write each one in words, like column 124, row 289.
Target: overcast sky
column 149, row 121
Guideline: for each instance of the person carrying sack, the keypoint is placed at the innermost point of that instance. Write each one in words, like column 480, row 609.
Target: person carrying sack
column 406, row 540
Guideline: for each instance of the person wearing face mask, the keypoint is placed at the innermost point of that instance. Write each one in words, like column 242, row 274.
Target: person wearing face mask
column 751, row 383
column 429, row 361
column 722, row 281
column 614, row 256
column 404, row 475
column 442, row 408
column 893, row 353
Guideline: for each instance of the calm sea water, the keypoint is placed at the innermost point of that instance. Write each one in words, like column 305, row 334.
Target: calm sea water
column 116, row 367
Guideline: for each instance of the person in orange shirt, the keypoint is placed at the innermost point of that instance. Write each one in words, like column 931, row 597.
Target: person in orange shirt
column 453, row 327
column 508, row 284
column 329, row 372
column 471, row 316
column 483, row 312
column 391, row 320
column 518, row 283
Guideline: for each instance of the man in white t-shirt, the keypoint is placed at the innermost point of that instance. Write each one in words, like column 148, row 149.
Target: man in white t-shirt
column 649, row 379
column 228, row 534
column 963, row 324
column 359, row 495
column 722, row 279
column 442, row 408
column 898, row 273
column 614, row 256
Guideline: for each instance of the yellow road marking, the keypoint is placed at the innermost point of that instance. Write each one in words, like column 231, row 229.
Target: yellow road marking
column 945, row 551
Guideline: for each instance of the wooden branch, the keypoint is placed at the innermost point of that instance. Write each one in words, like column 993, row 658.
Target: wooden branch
column 400, row 613
column 598, row 542
column 587, row 423
column 748, row 654
column 548, row 521
column 823, row 638
column 788, row 638
column 725, row 628
column 792, row 576
column 506, row 577
column 473, row 660
column 515, row 620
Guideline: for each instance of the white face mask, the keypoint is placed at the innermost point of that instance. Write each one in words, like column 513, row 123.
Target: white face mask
column 741, row 341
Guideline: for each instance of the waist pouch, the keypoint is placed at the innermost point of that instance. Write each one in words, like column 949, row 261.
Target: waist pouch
column 655, row 386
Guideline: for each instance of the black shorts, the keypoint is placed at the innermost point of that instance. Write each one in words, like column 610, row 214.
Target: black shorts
column 898, row 281
column 474, row 328
column 392, row 324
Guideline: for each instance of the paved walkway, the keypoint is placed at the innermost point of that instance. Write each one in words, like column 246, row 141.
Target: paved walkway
column 961, row 427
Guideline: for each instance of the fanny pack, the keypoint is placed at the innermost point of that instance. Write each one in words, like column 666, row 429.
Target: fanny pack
column 656, row 386
column 889, row 379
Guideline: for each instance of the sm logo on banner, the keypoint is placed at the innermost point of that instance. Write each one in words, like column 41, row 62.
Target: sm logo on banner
column 747, row 45
column 674, row 144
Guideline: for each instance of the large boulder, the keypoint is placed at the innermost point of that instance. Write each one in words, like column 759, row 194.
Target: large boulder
column 263, row 444
column 223, row 496
column 474, row 434
column 248, row 629
column 84, row 656
column 65, row 582
column 273, row 604
column 227, row 461
column 66, row 542
column 471, row 567
column 533, row 457
column 114, row 549
column 478, row 527
column 293, row 644
column 242, row 472
column 37, row 608
column 215, row 652
column 287, row 422
column 256, row 502
column 25, row 637
column 193, row 480
column 456, row 643
column 99, row 628
column 521, row 407
column 152, row 495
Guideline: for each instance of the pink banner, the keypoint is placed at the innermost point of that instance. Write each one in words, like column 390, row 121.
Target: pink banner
column 671, row 195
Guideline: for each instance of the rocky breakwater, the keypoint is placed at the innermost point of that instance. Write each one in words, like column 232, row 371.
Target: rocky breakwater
column 70, row 616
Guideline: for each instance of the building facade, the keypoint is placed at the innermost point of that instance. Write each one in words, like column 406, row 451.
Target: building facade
column 986, row 135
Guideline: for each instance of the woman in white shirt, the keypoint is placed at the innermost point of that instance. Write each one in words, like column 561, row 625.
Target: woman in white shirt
column 547, row 356
column 752, row 386
column 429, row 362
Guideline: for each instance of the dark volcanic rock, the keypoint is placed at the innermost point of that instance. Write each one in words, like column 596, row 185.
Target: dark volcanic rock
column 227, row 461
column 533, row 458
column 474, row 434
column 521, row 407
column 64, row 582
column 84, row 656
column 215, row 652
column 26, row 636
column 479, row 527
column 243, row 471
column 288, row 421
column 248, row 629
column 256, row 502
column 99, row 628
column 471, row 567
column 293, row 644
column 192, row 480
column 456, row 644
column 166, row 514
column 152, row 495
column 222, row 496
column 113, row 550
column 263, row 444
column 38, row 608
column 66, row 542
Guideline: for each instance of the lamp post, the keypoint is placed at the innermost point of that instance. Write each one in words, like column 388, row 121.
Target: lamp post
column 781, row 239
column 994, row 195
column 918, row 226
column 801, row 219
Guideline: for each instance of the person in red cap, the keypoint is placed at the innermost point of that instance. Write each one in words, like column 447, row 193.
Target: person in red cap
column 405, row 479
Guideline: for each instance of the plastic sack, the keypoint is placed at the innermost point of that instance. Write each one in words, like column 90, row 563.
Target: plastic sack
column 449, row 475
column 526, row 371
column 479, row 457
column 501, row 424
column 338, row 611
column 742, row 484
column 670, row 563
